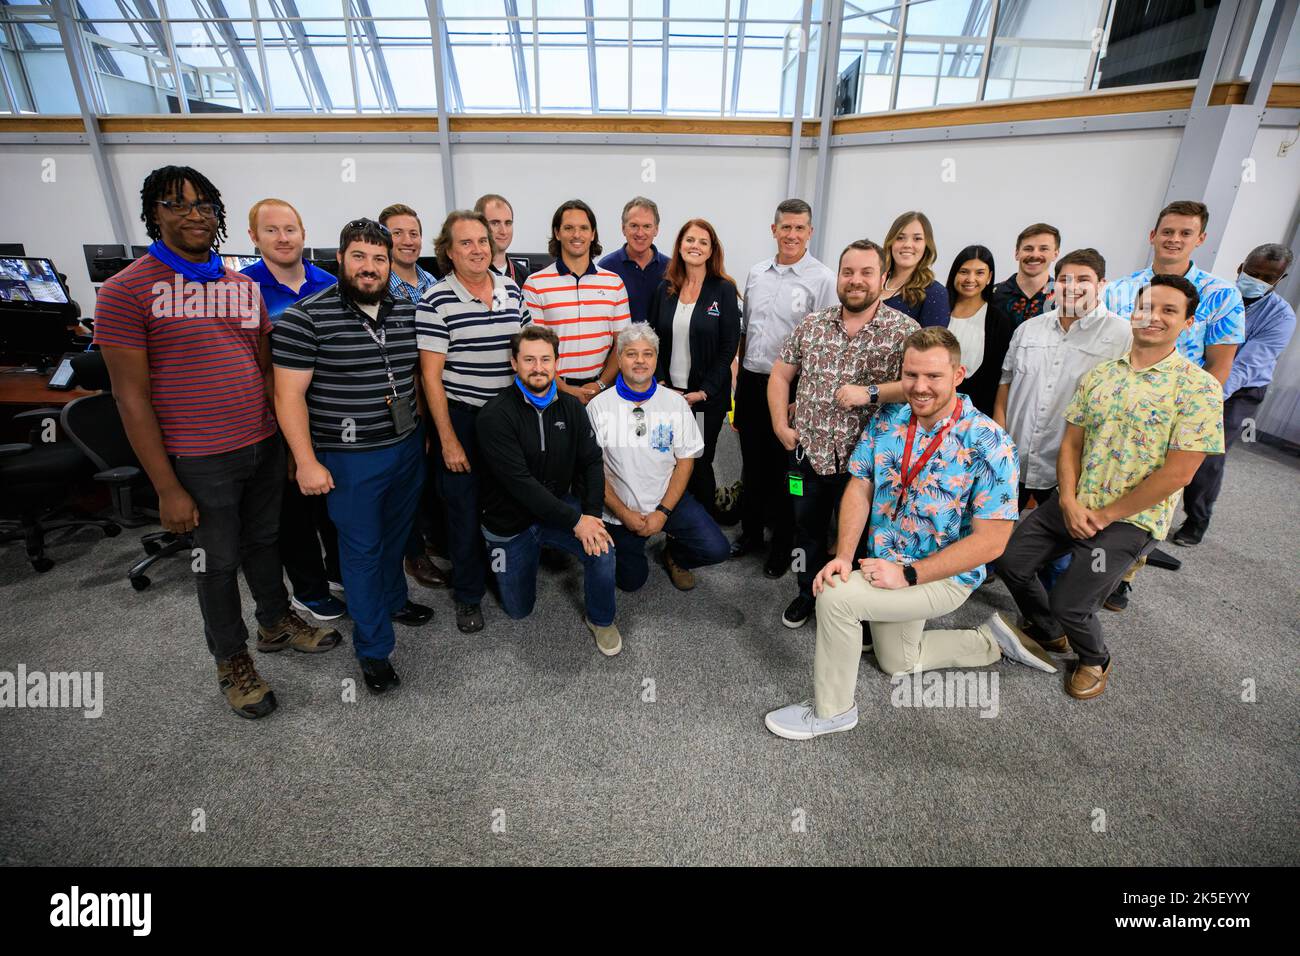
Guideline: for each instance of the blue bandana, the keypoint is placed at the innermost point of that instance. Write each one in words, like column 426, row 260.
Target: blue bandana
column 539, row 402
column 209, row 271
column 625, row 390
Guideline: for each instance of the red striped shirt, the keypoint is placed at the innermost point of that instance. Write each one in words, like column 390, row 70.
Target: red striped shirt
column 208, row 391
column 584, row 311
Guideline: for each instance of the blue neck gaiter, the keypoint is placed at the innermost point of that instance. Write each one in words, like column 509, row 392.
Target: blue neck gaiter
column 625, row 390
column 209, row 271
column 539, row 402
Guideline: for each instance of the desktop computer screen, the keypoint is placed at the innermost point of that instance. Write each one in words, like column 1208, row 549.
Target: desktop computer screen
column 30, row 280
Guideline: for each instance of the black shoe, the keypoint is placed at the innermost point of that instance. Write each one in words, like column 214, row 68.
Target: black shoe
column 469, row 618
column 379, row 675
column 1189, row 534
column 1163, row 559
column 743, row 545
column 413, row 615
column 798, row 611
column 1118, row 599
column 776, row 565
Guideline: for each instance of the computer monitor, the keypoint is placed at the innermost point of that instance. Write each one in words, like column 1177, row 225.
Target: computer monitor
column 239, row 263
column 326, row 259
column 105, row 261
column 138, row 251
column 430, row 265
column 12, row 249
column 37, row 315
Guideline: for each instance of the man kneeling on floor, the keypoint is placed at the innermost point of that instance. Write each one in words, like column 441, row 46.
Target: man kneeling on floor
column 543, row 486
column 939, row 480
column 651, row 440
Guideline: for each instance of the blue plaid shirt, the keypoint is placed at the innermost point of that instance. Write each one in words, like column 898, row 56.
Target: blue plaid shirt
column 399, row 288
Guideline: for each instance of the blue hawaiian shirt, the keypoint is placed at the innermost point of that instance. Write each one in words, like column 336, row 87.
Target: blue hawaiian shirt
column 1220, row 318
column 972, row 474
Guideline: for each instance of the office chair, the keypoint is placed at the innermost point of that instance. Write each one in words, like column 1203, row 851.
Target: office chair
column 37, row 477
column 94, row 424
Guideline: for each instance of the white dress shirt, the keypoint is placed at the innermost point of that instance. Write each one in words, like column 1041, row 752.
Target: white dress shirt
column 777, row 297
column 1043, row 366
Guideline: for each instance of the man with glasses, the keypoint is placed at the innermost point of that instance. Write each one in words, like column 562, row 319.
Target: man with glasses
column 345, row 391
column 189, row 376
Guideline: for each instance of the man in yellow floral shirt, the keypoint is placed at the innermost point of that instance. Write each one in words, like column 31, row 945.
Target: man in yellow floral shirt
column 1138, row 428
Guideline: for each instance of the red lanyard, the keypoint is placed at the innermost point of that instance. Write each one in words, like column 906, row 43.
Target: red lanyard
column 908, row 474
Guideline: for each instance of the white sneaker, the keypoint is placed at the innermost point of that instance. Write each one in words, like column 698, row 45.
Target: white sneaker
column 800, row 721
column 1012, row 644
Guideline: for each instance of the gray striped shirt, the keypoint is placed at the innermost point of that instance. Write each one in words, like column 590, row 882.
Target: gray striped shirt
column 474, row 337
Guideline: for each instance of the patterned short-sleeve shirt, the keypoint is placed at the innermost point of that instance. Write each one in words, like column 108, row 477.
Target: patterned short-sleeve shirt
column 972, row 474
column 1132, row 418
column 1220, row 317
column 828, row 358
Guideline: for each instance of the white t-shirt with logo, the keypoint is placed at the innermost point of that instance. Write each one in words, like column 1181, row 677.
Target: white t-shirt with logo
column 639, row 461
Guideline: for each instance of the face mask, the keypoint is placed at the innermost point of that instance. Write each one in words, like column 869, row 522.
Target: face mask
column 1252, row 288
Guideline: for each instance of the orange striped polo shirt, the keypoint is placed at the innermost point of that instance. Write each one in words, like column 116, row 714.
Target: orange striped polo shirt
column 587, row 312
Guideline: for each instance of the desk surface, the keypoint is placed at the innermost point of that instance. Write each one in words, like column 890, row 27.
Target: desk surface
column 29, row 389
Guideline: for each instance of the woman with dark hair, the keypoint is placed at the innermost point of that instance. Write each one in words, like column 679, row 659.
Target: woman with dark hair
column 696, row 313
column 910, row 285
column 981, row 327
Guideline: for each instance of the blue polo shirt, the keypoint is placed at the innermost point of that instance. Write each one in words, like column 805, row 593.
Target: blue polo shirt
column 279, row 296
column 640, row 283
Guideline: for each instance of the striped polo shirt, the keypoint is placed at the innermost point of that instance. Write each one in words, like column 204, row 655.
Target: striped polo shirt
column 587, row 312
column 206, row 387
column 475, row 337
column 347, row 400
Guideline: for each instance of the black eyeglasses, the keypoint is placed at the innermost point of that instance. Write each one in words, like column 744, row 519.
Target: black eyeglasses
column 183, row 207
column 368, row 224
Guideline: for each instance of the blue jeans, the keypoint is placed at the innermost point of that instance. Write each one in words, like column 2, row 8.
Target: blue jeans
column 694, row 539
column 373, row 504
column 514, row 562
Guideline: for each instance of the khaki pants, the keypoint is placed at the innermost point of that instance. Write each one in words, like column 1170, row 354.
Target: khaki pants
column 902, row 644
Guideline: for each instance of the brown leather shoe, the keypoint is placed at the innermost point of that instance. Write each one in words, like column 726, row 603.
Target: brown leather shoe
column 683, row 580
column 1088, row 681
column 426, row 572
column 1059, row 646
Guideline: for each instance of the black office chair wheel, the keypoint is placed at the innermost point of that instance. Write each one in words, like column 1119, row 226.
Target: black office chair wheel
column 152, row 547
column 42, row 564
column 112, row 530
column 140, row 582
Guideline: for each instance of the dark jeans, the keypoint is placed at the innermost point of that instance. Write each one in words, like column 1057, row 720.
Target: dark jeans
column 459, row 491
column 1200, row 495
column 1072, row 607
column 238, row 497
column 429, row 528
column 703, row 486
column 694, row 540
column 813, row 512
column 306, row 529
column 514, row 561
column 766, row 500
column 373, row 504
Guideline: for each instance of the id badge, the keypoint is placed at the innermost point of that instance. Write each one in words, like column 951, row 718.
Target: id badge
column 403, row 420
column 796, row 484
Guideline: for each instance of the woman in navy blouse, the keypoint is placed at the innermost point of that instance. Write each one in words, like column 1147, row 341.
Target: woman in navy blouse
column 910, row 285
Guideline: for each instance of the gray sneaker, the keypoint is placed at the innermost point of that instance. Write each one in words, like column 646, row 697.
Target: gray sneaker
column 800, row 721
column 608, row 640
column 1015, row 645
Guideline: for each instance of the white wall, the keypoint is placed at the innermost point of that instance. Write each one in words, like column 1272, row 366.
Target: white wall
column 1100, row 189
column 1266, row 207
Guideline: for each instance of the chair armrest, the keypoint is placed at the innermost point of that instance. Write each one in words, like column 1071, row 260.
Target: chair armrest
column 120, row 474
column 33, row 416
column 15, row 449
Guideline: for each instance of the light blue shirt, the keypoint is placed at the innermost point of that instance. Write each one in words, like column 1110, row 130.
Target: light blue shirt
column 1220, row 317
column 1270, row 322
column 399, row 288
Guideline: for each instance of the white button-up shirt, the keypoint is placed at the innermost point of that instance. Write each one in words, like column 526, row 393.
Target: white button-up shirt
column 1043, row 366
column 777, row 298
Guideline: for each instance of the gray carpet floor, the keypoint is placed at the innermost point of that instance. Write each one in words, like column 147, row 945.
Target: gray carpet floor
column 523, row 745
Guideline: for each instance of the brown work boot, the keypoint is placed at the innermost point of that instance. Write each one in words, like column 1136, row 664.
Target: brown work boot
column 293, row 631
column 248, row 695
column 683, row 580
column 1088, row 681
column 426, row 572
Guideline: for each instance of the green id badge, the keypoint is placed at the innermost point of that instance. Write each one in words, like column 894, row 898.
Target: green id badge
column 796, row 484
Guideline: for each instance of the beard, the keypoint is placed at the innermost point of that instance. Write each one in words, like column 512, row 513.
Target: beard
column 869, row 300
column 358, row 295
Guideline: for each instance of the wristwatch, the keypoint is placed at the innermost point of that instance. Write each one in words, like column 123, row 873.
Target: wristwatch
column 668, row 512
column 873, row 396
column 909, row 574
